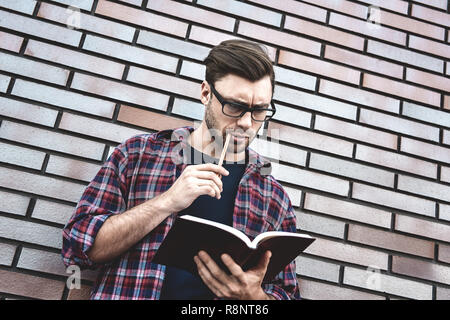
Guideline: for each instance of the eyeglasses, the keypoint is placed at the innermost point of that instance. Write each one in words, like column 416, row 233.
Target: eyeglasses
column 237, row 110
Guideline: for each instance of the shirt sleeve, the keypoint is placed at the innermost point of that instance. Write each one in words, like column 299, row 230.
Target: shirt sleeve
column 103, row 197
column 285, row 285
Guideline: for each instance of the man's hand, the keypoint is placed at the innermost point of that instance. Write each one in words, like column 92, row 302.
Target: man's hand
column 239, row 285
column 194, row 181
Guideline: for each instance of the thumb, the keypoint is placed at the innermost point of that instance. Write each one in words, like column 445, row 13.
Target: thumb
column 264, row 261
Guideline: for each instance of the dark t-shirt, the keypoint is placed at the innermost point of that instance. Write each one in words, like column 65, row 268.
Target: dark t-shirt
column 181, row 284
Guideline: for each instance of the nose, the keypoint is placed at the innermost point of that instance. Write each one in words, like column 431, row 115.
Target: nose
column 245, row 121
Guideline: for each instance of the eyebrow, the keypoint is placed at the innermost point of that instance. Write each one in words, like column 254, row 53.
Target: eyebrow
column 259, row 105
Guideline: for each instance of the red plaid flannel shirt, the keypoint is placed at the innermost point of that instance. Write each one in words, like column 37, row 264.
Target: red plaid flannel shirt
column 141, row 168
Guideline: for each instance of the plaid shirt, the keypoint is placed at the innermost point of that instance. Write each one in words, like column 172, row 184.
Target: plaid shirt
column 141, row 168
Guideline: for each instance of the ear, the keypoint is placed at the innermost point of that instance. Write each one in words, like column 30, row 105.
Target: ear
column 205, row 94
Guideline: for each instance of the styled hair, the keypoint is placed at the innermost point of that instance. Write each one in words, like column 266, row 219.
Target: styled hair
column 243, row 58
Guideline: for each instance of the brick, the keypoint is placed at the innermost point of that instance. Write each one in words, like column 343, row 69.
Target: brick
column 61, row 98
column 357, row 132
column 172, row 45
column 130, row 53
column 193, row 70
column 141, row 18
column 310, row 179
column 310, row 139
column 347, row 7
column 405, row 56
column 347, row 210
column 444, row 211
column 149, row 119
column 425, row 150
column 197, row 15
column 361, row 61
column 4, row 83
column 315, row 102
column 412, row 25
column 294, row 195
column 396, row 161
column 278, row 151
column 445, row 174
column 10, row 41
column 30, row 232
column 97, row 128
column 359, row 96
column 70, row 168
column 318, row 269
column 33, row 69
column 324, row 33
column 421, row 227
column 291, row 115
column 428, row 79
column 82, row 4
column 84, row 293
column 323, row 291
column 426, row 114
column 430, row 46
column 446, row 138
column 7, row 252
column 321, row 225
column 388, row 284
column 74, row 59
column 391, row 241
column 13, row 203
column 447, row 102
column 21, row 156
column 119, row 91
column 394, row 5
column 39, row 28
column 424, row 187
column 279, row 38
column 52, row 211
column 28, row 112
column 187, row 108
column 393, row 199
column 164, row 82
column 297, row 8
column 88, row 22
column 48, row 262
column 421, row 269
column 51, row 140
column 441, row 4
column 442, row 293
column 399, row 125
column 428, row 14
column 213, row 38
column 347, row 253
column 366, row 28
column 294, row 78
column 444, row 253
column 31, row 286
column 401, row 89
column 319, row 67
column 350, row 169
column 20, row 6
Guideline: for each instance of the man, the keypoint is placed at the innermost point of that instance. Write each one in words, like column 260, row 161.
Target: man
column 150, row 179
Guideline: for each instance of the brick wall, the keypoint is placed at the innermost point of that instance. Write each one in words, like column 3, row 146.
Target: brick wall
column 363, row 126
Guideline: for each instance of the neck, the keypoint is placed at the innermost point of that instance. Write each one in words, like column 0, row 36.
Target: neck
column 202, row 140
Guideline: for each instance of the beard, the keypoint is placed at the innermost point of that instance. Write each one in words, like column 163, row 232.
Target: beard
column 219, row 136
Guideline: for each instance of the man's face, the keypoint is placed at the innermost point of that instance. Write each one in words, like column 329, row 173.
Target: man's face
column 236, row 89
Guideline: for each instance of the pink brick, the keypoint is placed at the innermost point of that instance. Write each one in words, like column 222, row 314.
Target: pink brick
column 402, row 90
column 141, row 18
column 393, row 199
column 425, row 150
column 71, row 168
column 319, row 67
column 444, row 253
column 421, row 269
column 74, row 59
column 295, row 7
column 430, row 46
column 428, row 79
column 10, row 41
column 357, row 132
column 344, row 6
column 279, row 38
column 396, row 161
column 428, row 14
column 324, row 33
column 424, row 228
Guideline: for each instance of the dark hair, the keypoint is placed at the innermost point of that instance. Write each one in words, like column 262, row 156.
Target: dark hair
column 239, row 57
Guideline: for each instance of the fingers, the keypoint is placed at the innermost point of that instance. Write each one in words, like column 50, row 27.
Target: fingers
column 212, row 167
column 263, row 262
column 234, row 268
